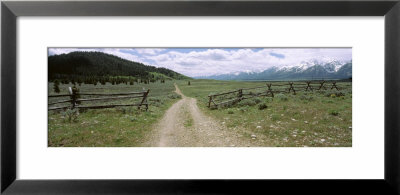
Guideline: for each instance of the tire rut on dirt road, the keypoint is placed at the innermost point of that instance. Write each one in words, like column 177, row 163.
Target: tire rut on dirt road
column 184, row 125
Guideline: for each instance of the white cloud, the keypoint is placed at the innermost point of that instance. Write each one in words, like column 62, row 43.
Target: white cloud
column 147, row 51
column 220, row 61
column 124, row 55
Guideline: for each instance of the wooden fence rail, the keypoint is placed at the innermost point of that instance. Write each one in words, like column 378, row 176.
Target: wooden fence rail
column 75, row 99
column 289, row 87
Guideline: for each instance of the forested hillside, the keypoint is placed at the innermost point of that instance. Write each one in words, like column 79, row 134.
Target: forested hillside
column 89, row 66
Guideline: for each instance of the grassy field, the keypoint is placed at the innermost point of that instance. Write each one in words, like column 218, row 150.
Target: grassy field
column 313, row 119
column 307, row 119
column 125, row 126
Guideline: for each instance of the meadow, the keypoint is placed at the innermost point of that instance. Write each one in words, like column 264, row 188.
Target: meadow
column 112, row 127
column 307, row 119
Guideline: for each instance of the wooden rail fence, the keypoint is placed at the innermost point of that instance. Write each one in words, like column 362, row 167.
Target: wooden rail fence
column 289, row 87
column 75, row 99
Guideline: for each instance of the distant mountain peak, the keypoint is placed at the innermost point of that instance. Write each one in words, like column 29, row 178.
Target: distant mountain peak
column 312, row 69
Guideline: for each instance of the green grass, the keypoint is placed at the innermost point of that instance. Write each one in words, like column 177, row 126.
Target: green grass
column 313, row 119
column 115, row 127
column 156, row 89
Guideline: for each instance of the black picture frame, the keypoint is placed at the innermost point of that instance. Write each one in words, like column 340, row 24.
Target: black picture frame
column 11, row 10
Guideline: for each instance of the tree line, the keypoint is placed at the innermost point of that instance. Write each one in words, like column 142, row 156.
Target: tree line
column 102, row 81
column 76, row 79
column 89, row 67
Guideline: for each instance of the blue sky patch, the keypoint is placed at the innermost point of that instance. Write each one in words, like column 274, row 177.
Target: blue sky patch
column 277, row 55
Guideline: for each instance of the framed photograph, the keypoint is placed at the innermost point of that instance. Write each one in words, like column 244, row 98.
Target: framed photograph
column 199, row 97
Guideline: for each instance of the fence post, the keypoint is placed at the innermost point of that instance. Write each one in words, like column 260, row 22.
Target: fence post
column 334, row 86
column 309, row 86
column 270, row 90
column 294, row 91
column 240, row 94
column 145, row 93
column 291, row 87
column 322, row 85
column 209, row 101
column 73, row 97
column 147, row 104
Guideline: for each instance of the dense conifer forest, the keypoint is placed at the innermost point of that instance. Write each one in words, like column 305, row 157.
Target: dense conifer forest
column 94, row 67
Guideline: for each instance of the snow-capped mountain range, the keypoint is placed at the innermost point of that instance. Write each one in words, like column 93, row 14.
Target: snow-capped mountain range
column 332, row 69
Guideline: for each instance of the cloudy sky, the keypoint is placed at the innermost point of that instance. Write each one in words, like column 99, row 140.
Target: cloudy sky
column 211, row 61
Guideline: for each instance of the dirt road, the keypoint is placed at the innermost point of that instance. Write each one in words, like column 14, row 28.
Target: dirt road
column 184, row 125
